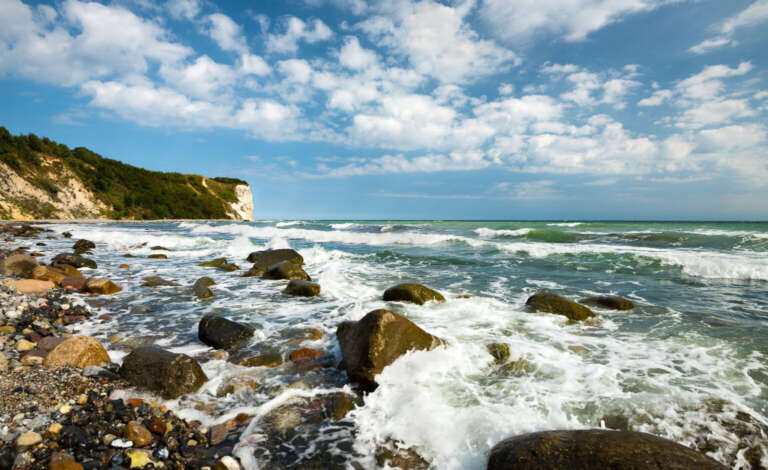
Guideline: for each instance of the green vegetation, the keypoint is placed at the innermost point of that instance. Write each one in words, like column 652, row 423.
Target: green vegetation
column 129, row 192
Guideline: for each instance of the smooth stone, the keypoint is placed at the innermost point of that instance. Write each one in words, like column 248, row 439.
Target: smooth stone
column 221, row 333
column 77, row 351
column 46, row 273
column 499, row 351
column 19, row 265
column 214, row 263
column 609, row 303
column 299, row 288
column 286, row 270
column 138, row 434
column 268, row 359
column 74, row 283
column 262, row 260
column 81, row 246
column 74, row 260
column 412, row 292
column 553, row 303
column 28, row 439
column 24, row 345
column 101, row 286
column 118, row 443
column 200, row 288
column 169, row 374
column 30, row 286
column 158, row 256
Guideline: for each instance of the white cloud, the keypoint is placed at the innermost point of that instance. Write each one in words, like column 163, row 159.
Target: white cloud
column 730, row 138
column 387, row 164
column 572, row 20
column 296, row 30
column 715, row 112
column 201, row 79
column 437, row 41
column 254, row 65
column 588, row 86
column 707, row 83
column 186, row 9
column 712, row 44
column 754, row 14
column 657, row 98
column 226, row 33
column 527, row 190
column 355, row 57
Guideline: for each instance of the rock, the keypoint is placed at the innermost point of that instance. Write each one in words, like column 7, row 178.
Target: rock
column 125, row 266
column 138, row 434
column 65, row 465
column 553, row 303
column 158, row 256
column 121, row 443
column 200, row 288
column 169, row 374
column 304, row 354
column 412, row 292
column 159, row 282
column 267, row 359
column 286, row 270
column 30, row 286
column 101, row 286
column 74, row 283
column 227, row 463
column 67, row 269
column 128, row 255
column 45, row 273
column 66, row 235
column 217, row 434
column 54, row 430
column 214, row 263
column 399, row 456
column 499, row 351
column 3, row 362
column 18, row 265
column 376, row 341
column 23, row 345
column 264, row 259
column 77, row 351
column 28, row 439
column 334, row 406
column 237, row 383
column 301, row 288
column 221, row 333
column 593, row 449
column 73, row 260
column 81, row 246
column 229, row 267
column 159, row 248
column 609, row 303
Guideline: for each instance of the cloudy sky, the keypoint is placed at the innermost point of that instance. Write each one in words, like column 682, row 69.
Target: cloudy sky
column 500, row 109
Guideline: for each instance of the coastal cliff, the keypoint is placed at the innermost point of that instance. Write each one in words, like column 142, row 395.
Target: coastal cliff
column 42, row 179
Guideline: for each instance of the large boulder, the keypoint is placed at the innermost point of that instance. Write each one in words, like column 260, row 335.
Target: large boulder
column 77, row 351
column 82, row 246
column 74, row 283
column 101, row 286
column 376, row 341
column 76, row 261
column 553, row 303
column 594, row 449
column 30, row 286
column 169, row 374
column 46, row 273
column 412, row 292
column 286, row 270
column 262, row 260
column 18, row 265
column 299, row 288
column 201, row 288
column 609, row 303
column 70, row 271
column 221, row 333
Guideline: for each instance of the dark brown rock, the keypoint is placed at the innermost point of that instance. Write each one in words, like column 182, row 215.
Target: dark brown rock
column 412, row 292
column 221, row 333
column 286, row 270
column 18, row 265
column 169, row 374
column 264, row 259
column 553, row 303
column 609, row 302
column 74, row 283
column 73, row 260
column 299, row 288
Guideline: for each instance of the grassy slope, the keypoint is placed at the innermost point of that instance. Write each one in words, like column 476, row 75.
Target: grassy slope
column 129, row 192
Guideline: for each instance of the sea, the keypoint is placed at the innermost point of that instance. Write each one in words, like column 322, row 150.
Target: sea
column 688, row 363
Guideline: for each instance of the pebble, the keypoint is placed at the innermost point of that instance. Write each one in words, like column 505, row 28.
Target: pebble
column 65, row 409
column 229, row 463
column 54, row 430
column 121, row 443
column 24, row 345
column 138, row 434
column 29, row 438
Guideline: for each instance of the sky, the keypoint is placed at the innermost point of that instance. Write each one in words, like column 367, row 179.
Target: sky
column 412, row 109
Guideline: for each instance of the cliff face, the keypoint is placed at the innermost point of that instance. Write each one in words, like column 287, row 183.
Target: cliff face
column 40, row 179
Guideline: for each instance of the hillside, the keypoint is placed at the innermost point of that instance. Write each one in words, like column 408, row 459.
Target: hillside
column 42, row 179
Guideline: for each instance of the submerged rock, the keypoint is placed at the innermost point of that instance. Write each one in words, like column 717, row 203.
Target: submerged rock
column 73, row 260
column 200, row 288
column 67, row 269
column 214, row 263
column 81, row 246
column 78, row 351
column 46, row 273
column 18, row 265
column 158, row 256
column 376, row 341
column 553, row 303
column 399, row 456
column 595, row 449
column 267, row 359
column 228, row 267
column 499, row 351
column 169, row 374
column 221, row 333
column 301, row 288
column 264, row 259
column 412, row 292
column 286, row 270
column 158, row 282
column 97, row 285
column 609, row 302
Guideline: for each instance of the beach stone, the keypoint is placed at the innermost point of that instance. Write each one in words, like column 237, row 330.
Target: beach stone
column 45, row 273
column 23, row 345
column 67, row 269
column 65, row 465
column 609, row 303
column 30, row 286
column 74, row 260
column 54, row 430
column 158, row 247
column 3, row 362
column 81, row 246
column 400, row 457
column 77, row 351
column 227, row 463
column 101, row 286
column 499, row 351
column 553, row 303
column 158, row 282
column 264, row 259
column 304, row 354
column 66, row 235
column 138, row 434
column 237, row 383
column 301, row 288
column 28, row 439
column 376, row 341
column 286, row 270
column 221, row 333
column 74, row 283
column 18, row 265
column 158, row 256
column 200, row 288
column 214, row 263
column 412, row 292
column 593, row 449
column 267, row 359
column 125, row 266
column 217, row 434
column 169, row 374
column 229, row 267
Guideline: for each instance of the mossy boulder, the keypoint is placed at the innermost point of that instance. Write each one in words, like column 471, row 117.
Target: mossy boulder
column 595, row 449
column 18, row 265
column 499, row 351
column 376, row 341
column 82, row 246
column 609, row 303
column 264, row 259
column 214, row 263
column 286, row 270
column 229, row 267
column 201, row 288
column 552, row 303
column 299, row 288
column 74, row 260
column 158, row 256
column 412, row 292
column 221, row 333
column 168, row 374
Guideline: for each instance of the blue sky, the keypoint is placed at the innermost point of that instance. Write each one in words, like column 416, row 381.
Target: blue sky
column 486, row 109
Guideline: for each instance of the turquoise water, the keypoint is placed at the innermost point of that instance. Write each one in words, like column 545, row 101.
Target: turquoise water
column 682, row 364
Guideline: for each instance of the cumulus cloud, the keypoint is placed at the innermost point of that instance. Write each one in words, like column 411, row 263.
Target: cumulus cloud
column 296, row 31
column 756, row 13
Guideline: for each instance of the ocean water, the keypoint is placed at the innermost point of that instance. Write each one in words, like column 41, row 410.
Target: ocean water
column 689, row 363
